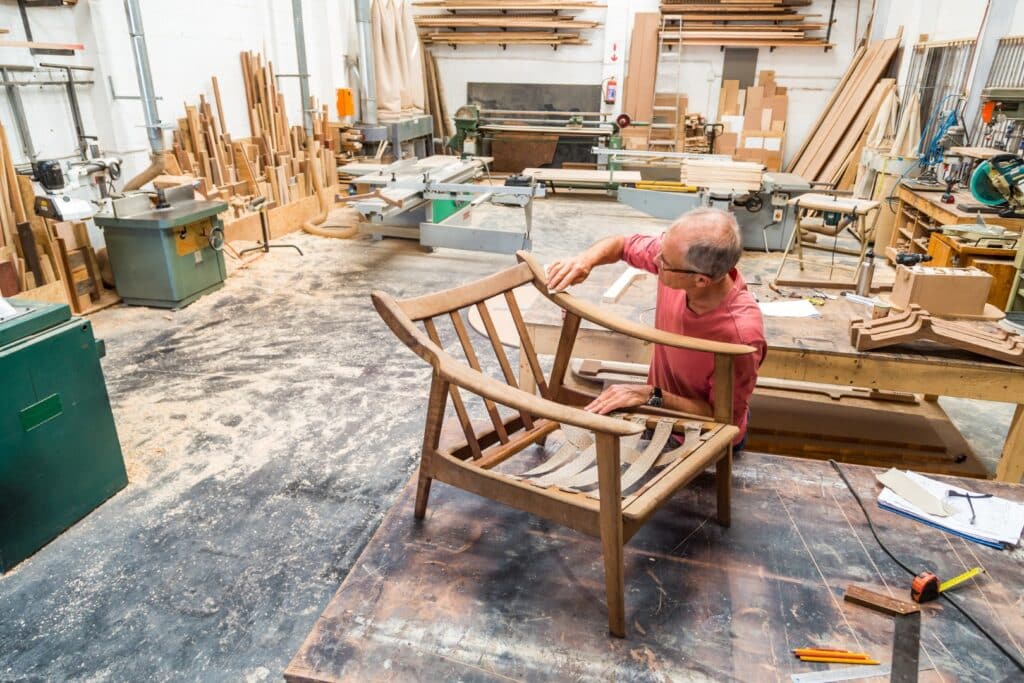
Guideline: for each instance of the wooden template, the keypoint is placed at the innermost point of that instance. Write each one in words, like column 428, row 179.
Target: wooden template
column 587, row 490
column 915, row 324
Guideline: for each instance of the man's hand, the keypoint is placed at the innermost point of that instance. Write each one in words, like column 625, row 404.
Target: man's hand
column 619, row 396
column 564, row 273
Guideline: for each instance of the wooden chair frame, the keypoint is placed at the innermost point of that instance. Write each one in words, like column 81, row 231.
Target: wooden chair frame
column 470, row 464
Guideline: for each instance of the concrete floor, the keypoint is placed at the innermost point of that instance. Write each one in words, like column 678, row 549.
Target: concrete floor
column 266, row 430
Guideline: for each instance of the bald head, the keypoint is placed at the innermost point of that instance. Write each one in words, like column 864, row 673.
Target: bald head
column 707, row 240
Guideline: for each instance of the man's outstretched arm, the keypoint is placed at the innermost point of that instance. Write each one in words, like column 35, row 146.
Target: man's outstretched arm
column 573, row 270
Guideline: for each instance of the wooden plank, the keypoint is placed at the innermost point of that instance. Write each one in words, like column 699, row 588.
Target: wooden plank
column 41, row 46
column 844, row 108
column 283, row 219
column 10, row 282
column 638, row 88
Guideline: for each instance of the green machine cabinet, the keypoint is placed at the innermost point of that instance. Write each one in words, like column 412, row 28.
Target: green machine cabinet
column 165, row 257
column 59, row 453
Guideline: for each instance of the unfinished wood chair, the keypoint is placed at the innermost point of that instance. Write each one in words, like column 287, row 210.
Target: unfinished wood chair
column 587, row 491
column 858, row 216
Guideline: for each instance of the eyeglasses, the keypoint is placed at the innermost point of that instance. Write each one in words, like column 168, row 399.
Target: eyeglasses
column 663, row 267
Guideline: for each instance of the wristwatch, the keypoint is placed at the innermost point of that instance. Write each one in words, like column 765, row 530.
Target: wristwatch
column 656, row 400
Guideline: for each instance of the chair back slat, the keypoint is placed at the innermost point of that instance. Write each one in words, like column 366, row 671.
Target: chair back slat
column 499, row 353
column 526, row 346
column 453, row 299
column 453, row 392
column 467, row 347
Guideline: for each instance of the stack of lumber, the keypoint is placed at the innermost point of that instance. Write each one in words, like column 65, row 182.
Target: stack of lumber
column 733, row 176
column 497, row 22
column 834, row 140
column 764, row 123
column 273, row 162
column 41, row 260
column 641, row 69
column 754, row 23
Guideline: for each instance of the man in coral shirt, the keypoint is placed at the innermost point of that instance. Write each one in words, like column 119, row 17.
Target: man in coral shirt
column 700, row 294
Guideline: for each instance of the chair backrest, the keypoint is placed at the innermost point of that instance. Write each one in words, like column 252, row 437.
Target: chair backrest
column 448, row 310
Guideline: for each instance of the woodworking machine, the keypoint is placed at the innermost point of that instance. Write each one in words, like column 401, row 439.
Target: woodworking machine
column 476, row 127
column 59, row 453
column 765, row 218
column 164, row 251
column 436, row 201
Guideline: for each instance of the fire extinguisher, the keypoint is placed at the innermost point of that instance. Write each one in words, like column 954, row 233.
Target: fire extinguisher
column 611, row 90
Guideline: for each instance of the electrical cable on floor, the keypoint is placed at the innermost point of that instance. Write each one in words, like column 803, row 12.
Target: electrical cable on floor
column 1011, row 656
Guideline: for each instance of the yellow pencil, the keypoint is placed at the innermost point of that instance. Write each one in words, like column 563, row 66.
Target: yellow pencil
column 823, row 652
column 839, row 660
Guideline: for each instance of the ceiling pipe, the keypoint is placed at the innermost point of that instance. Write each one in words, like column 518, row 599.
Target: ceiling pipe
column 147, row 96
column 367, row 74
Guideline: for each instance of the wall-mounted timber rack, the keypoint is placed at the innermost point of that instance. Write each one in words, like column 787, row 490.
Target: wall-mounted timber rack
column 768, row 23
column 491, row 22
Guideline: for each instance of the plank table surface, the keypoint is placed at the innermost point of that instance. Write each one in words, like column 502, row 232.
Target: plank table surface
column 807, row 349
column 481, row 592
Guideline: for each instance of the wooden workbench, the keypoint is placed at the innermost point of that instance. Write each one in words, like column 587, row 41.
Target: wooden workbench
column 481, row 592
column 919, row 213
column 808, row 350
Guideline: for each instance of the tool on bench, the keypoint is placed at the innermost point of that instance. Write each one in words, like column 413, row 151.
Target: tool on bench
column 926, row 586
column 260, row 204
column 907, row 636
column 905, row 258
column 866, row 274
column 833, row 656
column 969, row 497
column 712, row 131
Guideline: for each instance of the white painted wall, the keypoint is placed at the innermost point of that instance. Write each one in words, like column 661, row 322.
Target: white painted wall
column 1016, row 27
column 809, row 74
column 189, row 41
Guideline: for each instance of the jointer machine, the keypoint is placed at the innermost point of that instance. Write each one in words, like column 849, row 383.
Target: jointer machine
column 436, row 201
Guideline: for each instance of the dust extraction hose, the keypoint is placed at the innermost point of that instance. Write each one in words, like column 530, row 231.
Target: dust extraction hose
column 314, row 225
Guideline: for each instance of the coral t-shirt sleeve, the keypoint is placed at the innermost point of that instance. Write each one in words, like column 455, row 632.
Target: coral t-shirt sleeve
column 640, row 251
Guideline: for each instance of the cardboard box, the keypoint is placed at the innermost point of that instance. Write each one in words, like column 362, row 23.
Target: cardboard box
column 942, row 291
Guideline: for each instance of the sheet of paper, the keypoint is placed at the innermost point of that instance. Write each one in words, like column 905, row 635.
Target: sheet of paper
column 912, row 492
column 996, row 519
column 792, row 308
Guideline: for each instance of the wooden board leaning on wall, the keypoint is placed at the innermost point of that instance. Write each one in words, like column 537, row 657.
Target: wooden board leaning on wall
column 42, row 260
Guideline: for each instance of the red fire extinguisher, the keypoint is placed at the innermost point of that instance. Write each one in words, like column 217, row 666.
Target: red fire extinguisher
column 611, row 90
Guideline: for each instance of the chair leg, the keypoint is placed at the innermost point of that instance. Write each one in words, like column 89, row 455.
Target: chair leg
column 614, row 580
column 422, row 494
column 723, row 480
column 610, row 487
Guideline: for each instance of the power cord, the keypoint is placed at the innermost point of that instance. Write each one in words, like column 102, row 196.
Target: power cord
column 1010, row 655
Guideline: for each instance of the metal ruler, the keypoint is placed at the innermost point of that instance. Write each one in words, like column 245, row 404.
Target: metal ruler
column 850, row 674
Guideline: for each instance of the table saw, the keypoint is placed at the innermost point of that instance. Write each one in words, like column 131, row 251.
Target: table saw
column 437, row 202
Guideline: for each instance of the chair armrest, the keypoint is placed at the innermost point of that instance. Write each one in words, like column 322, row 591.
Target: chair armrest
column 499, row 392
column 596, row 315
